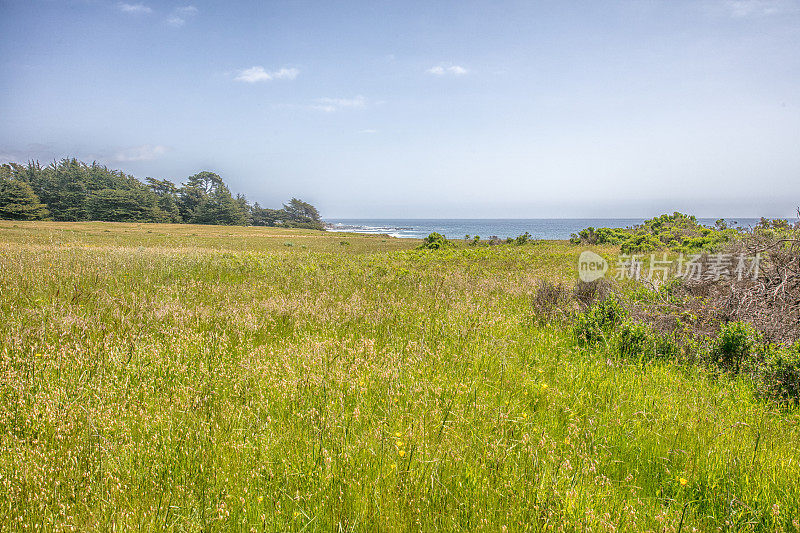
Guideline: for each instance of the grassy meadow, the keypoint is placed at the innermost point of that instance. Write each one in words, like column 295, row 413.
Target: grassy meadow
column 190, row 378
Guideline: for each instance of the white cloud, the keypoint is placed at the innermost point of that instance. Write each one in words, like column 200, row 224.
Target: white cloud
column 441, row 70
column 256, row 74
column 180, row 14
column 329, row 105
column 760, row 8
column 135, row 9
column 145, row 152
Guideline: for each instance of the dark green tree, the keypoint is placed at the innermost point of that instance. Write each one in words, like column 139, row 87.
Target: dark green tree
column 266, row 217
column 167, row 194
column 207, row 181
column 123, row 205
column 301, row 214
column 19, row 202
column 244, row 208
column 72, row 191
column 189, row 201
column 195, row 194
column 219, row 207
column 69, row 191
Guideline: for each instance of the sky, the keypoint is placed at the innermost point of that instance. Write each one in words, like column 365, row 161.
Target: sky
column 432, row 109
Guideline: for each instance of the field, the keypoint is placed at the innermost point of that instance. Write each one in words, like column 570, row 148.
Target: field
column 188, row 378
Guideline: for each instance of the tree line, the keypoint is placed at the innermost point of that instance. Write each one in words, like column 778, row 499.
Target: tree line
column 71, row 190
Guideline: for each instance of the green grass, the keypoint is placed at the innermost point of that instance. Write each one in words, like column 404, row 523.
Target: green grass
column 213, row 378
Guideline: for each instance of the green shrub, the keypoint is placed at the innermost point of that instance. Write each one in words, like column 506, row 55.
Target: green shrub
column 522, row 239
column 642, row 243
column 666, row 347
column 733, row 345
column 677, row 231
column 599, row 320
column 635, row 340
column 780, row 374
column 434, row 241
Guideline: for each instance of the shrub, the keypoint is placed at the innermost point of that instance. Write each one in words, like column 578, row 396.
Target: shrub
column 733, row 345
column 635, row 340
column 599, row 320
column 780, row 374
column 522, row 239
column 677, row 231
column 666, row 347
column 588, row 292
column 434, row 241
column 637, row 244
column 548, row 299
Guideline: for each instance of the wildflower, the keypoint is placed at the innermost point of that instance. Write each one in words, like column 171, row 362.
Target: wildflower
column 260, row 499
column 525, row 416
column 296, row 514
column 682, row 480
column 401, row 452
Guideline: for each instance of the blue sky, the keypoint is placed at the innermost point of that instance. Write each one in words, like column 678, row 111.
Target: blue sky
column 421, row 109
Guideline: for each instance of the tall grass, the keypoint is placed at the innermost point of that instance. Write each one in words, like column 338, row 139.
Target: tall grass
column 212, row 384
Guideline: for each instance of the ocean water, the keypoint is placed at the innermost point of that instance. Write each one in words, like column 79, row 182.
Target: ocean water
column 539, row 228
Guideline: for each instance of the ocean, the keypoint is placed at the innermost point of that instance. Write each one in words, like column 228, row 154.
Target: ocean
column 539, row 228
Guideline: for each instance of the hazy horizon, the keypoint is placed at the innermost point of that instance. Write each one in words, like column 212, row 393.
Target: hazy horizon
column 474, row 110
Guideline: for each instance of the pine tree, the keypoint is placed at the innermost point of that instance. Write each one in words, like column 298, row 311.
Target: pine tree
column 220, row 208
column 19, row 202
column 301, row 214
column 120, row 205
column 71, row 190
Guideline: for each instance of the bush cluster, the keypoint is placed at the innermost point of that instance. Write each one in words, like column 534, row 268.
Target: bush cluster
column 737, row 348
column 435, row 241
column 678, row 232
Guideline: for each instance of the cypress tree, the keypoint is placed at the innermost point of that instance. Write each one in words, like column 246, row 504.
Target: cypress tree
column 19, row 202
